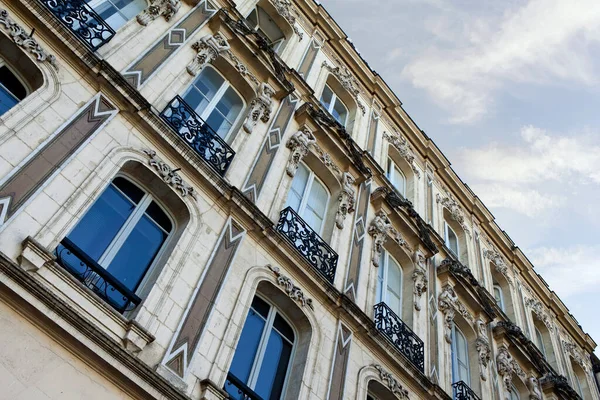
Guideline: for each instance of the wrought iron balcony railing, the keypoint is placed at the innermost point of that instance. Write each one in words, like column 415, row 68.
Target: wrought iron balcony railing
column 95, row 277
column 462, row 391
column 314, row 249
column 238, row 390
column 82, row 20
column 409, row 344
column 198, row 134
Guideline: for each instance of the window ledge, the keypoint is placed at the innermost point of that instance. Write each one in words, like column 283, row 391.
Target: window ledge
column 39, row 261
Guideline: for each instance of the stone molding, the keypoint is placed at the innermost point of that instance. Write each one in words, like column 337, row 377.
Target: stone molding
column 24, row 40
column 169, row 175
column 380, row 229
column 507, row 366
column 499, row 263
column 392, row 383
column 348, row 81
column 260, row 107
column 157, row 8
column 208, row 48
column 453, row 207
column 293, row 291
column 406, row 152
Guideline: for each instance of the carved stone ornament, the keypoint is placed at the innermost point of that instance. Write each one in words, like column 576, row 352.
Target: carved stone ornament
column 241, row 67
column 170, row 175
column 346, row 199
column 157, row 8
column 420, row 286
column 483, row 347
column 380, row 228
column 284, row 8
column 393, row 385
column 293, row 291
column 208, row 48
column 449, row 305
column 260, row 107
column 499, row 263
column 299, row 144
column 507, row 366
column 577, row 354
column 348, row 82
column 455, row 211
column 539, row 310
column 405, row 150
column 22, row 39
column 534, row 388
column 327, row 160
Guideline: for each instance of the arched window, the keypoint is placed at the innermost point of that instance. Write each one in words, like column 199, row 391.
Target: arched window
column 262, row 357
column 460, row 357
column 12, row 90
column 334, row 105
column 580, row 383
column 215, row 101
column 261, row 22
column 452, row 240
column 309, row 198
column 539, row 340
column 389, row 288
column 514, row 394
column 116, row 13
column 123, row 232
column 396, row 177
column 499, row 296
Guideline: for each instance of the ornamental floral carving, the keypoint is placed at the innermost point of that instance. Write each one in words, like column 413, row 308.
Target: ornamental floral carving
column 208, row 48
column 346, row 199
column 449, row 305
column 577, row 354
column 534, row 388
column 293, row 291
column 22, row 39
column 454, row 209
column 170, row 175
column 157, row 8
column 420, row 286
column 260, row 107
column 499, row 263
column 380, row 228
column 483, row 348
column 348, row 82
column 507, row 366
column 405, row 150
column 241, row 67
column 284, row 8
column 327, row 160
column 299, row 144
column 393, row 385
column 539, row 310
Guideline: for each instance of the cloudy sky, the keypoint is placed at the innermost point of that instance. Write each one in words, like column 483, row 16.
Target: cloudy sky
column 510, row 92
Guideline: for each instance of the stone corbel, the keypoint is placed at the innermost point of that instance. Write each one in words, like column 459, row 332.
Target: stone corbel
column 260, row 107
column 299, row 144
column 34, row 256
column 24, row 40
column 449, row 305
column 208, row 49
column 346, row 199
column 136, row 337
column 157, row 8
column 170, row 175
column 378, row 229
column 534, row 388
column 483, row 347
column 455, row 211
column 406, row 152
column 392, row 383
column 419, row 277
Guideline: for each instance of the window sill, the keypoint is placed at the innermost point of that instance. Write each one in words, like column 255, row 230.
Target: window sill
column 40, row 262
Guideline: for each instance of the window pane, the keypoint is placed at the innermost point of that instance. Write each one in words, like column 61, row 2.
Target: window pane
column 340, row 112
column 130, row 8
column 394, row 283
column 137, row 253
column 207, row 84
column 452, row 241
column 134, row 193
column 260, row 306
column 7, row 100
column 11, row 83
column 298, row 186
column 110, row 14
column 246, row 349
column 284, row 328
column 226, row 111
column 158, row 215
column 316, row 206
column 117, row 12
column 274, row 367
column 101, row 223
column 326, row 97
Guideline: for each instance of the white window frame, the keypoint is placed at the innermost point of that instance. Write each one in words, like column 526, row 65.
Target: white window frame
column 499, row 288
column 212, row 104
column 264, row 340
column 383, row 282
column 447, row 241
column 334, row 98
column 392, row 171
column 314, row 44
column 455, row 356
column 539, row 338
column 306, row 193
column 95, row 3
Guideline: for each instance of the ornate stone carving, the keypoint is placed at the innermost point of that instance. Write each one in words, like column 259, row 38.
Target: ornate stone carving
column 405, row 150
column 499, row 263
column 393, row 385
column 327, row 160
column 420, row 286
column 348, row 82
column 534, row 388
column 346, row 199
column 299, row 144
column 170, row 175
column 539, row 310
column 483, row 348
column 241, row 67
column 380, row 228
column 157, row 8
column 208, row 48
column 449, row 305
column 507, row 366
column 577, row 354
column 454, row 209
column 293, row 291
column 22, row 39
column 260, row 107
column 284, row 8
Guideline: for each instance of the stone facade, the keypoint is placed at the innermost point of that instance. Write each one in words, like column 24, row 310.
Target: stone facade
column 105, row 108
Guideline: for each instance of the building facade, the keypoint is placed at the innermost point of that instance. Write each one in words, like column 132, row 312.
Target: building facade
column 211, row 199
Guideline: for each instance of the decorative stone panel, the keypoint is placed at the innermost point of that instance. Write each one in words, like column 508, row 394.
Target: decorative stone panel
column 380, row 228
column 449, row 305
column 170, row 175
column 260, row 107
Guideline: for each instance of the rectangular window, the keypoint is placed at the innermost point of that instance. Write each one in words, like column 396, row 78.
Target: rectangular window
column 372, row 138
column 430, row 200
column 309, row 58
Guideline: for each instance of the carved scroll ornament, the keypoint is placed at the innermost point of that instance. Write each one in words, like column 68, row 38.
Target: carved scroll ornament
column 169, row 175
column 346, row 199
column 208, row 48
column 157, row 8
column 483, row 347
column 293, row 291
column 260, row 107
column 380, row 228
column 539, row 310
column 22, row 39
column 499, row 263
column 348, row 81
column 299, row 144
column 284, row 8
column 454, row 209
column 406, row 152
column 449, row 305
column 393, row 385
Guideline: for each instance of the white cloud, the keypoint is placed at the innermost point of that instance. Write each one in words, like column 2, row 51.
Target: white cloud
column 545, row 41
column 528, row 202
column 568, row 270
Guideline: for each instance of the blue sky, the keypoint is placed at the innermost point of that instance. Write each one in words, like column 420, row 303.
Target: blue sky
column 510, row 92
